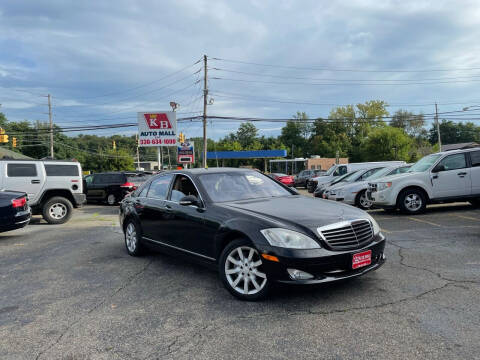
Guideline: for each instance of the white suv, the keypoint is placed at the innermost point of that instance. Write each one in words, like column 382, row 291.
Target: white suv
column 53, row 187
column 441, row 177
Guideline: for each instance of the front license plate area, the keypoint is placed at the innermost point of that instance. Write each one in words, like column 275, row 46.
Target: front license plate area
column 361, row 259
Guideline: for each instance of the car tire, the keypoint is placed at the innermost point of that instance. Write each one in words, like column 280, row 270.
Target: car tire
column 240, row 269
column 111, row 199
column 133, row 235
column 57, row 210
column 475, row 202
column 362, row 202
column 412, row 202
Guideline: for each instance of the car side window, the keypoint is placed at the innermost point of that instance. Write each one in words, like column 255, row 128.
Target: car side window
column 182, row 187
column 89, row 179
column 142, row 191
column 342, row 170
column 159, row 187
column 21, row 170
column 98, row 179
column 454, row 162
column 475, row 157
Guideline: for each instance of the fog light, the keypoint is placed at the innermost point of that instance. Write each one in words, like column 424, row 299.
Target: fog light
column 299, row 275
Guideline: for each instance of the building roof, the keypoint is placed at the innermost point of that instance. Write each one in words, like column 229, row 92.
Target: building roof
column 9, row 154
column 459, row 146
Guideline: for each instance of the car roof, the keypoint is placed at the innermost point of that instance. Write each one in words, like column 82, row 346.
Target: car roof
column 213, row 170
column 458, row 151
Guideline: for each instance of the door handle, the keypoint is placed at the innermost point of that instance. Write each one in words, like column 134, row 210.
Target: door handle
column 462, row 174
column 168, row 207
column 35, row 181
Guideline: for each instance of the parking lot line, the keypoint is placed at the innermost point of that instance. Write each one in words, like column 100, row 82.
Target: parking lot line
column 466, row 217
column 424, row 221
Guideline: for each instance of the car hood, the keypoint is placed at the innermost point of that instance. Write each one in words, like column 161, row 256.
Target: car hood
column 392, row 177
column 298, row 211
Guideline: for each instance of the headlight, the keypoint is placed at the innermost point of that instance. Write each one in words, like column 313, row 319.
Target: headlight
column 376, row 227
column 383, row 185
column 289, row 239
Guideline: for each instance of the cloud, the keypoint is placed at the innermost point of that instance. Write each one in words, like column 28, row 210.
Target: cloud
column 104, row 61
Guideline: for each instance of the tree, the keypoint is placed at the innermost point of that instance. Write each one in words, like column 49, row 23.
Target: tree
column 453, row 133
column 387, row 143
column 412, row 124
column 246, row 134
column 295, row 135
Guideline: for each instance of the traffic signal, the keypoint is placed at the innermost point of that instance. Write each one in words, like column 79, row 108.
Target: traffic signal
column 114, row 145
column 181, row 137
column 14, row 142
column 3, row 136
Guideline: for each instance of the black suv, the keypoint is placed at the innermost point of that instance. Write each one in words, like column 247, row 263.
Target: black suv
column 112, row 187
column 304, row 175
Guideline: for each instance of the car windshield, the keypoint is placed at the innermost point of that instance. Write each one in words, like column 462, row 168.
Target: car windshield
column 330, row 171
column 344, row 177
column 234, row 186
column 380, row 173
column 425, row 163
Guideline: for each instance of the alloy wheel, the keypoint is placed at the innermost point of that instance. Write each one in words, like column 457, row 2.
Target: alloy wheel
column 413, row 202
column 242, row 271
column 111, row 199
column 58, row 211
column 131, row 237
column 364, row 202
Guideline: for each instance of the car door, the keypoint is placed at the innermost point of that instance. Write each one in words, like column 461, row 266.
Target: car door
column 94, row 189
column 25, row 176
column 454, row 180
column 186, row 228
column 154, row 217
column 475, row 171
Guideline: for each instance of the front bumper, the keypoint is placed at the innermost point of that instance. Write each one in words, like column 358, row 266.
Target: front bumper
column 325, row 265
column 384, row 198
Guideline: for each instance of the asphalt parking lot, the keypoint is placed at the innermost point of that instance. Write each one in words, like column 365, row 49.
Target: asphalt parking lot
column 72, row 292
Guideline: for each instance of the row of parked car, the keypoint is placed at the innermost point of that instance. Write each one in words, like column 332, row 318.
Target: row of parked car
column 437, row 178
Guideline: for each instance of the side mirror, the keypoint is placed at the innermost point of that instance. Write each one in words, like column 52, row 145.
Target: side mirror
column 438, row 168
column 189, row 200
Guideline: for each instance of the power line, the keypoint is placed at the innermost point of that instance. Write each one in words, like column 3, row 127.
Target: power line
column 336, row 79
column 342, row 84
column 143, row 85
column 344, row 70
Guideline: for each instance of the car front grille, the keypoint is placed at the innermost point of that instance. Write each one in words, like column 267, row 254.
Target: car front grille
column 347, row 235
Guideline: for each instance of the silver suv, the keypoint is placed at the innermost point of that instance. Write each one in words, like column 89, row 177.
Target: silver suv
column 53, row 187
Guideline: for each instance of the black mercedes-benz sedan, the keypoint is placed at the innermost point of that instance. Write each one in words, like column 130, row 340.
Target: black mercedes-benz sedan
column 253, row 229
column 14, row 210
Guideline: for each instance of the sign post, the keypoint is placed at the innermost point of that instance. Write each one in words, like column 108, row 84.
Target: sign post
column 157, row 129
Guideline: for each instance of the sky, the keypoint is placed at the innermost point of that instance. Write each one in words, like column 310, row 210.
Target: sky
column 104, row 61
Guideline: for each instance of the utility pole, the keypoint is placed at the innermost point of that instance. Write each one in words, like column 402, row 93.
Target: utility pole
column 51, row 124
column 205, row 94
column 438, row 129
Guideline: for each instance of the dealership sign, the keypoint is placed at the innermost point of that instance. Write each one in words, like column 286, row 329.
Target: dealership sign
column 157, row 128
column 186, row 153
